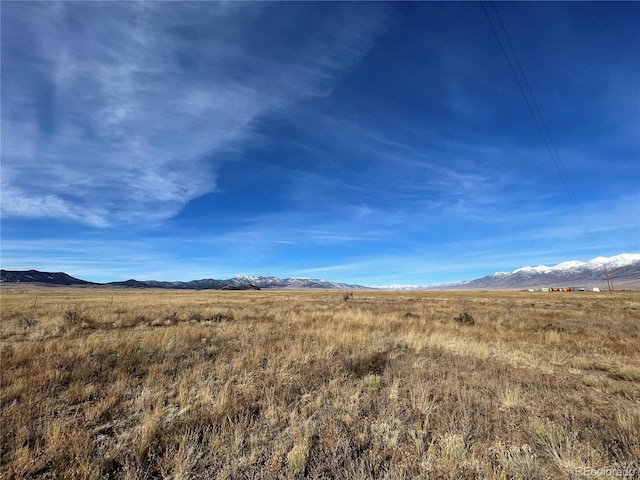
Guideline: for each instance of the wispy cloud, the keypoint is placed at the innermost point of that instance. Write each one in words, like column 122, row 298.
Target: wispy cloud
column 122, row 112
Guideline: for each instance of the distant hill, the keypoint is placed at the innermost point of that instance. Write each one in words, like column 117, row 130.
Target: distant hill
column 205, row 284
column 34, row 276
column 236, row 283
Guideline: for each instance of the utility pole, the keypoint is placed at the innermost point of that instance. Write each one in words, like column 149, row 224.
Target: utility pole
column 608, row 277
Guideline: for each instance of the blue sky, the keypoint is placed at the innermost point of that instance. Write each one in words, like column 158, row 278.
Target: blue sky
column 373, row 143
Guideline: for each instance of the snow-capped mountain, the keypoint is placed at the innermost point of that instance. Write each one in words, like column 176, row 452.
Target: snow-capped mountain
column 597, row 263
column 242, row 282
column 624, row 271
column 292, row 283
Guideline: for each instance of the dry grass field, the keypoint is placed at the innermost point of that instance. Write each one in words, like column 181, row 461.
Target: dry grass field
column 135, row 384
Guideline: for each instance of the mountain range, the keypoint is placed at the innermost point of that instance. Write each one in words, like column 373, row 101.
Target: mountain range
column 623, row 270
column 242, row 282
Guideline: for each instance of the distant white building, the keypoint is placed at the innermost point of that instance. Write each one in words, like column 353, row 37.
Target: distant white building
column 596, row 289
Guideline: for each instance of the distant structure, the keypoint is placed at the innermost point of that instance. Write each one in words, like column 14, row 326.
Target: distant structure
column 566, row 289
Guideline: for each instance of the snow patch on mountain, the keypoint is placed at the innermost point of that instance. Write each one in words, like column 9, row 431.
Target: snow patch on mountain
column 400, row 287
column 621, row 268
column 597, row 263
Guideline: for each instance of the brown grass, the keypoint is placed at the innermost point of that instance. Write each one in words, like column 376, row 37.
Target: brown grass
column 165, row 384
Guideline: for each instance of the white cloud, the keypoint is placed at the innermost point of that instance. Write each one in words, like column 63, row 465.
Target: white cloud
column 21, row 204
column 122, row 112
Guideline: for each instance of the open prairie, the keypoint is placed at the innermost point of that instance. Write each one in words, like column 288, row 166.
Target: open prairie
column 141, row 384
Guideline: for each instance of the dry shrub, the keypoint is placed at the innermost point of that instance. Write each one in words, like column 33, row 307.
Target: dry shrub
column 368, row 364
column 550, row 327
column 74, row 315
column 220, row 317
column 77, row 317
column 28, row 322
column 196, row 317
column 465, row 318
column 204, row 317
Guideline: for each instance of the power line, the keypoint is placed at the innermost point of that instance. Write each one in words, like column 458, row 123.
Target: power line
column 538, row 117
column 532, row 104
column 559, row 165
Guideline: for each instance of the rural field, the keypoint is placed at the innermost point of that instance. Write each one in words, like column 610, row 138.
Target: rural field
column 145, row 384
